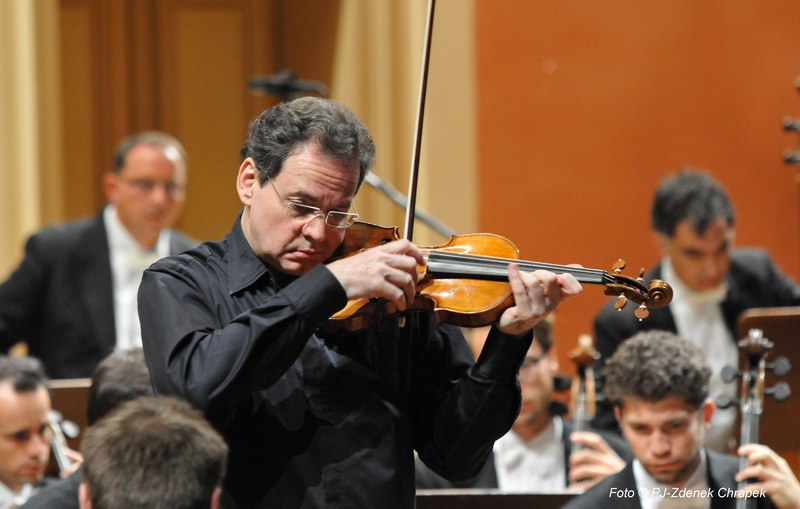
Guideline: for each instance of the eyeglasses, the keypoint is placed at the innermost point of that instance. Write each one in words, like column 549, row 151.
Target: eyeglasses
column 146, row 186
column 304, row 214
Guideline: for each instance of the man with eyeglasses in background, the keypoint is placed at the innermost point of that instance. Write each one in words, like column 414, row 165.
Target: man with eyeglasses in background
column 314, row 417
column 72, row 300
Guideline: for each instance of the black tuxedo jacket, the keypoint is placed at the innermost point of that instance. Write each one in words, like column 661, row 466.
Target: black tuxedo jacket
column 753, row 281
column 721, row 472
column 487, row 477
column 60, row 299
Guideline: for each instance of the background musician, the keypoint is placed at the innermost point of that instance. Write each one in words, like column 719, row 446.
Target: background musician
column 659, row 386
column 72, row 300
column 712, row 284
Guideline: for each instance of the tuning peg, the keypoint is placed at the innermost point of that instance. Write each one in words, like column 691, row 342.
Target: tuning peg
column 780, row 391
column 642, row 312
column 620, row 302
column 781, row 366
column 558, row 408
column 561, row 383
column 791, row 157
column 724, row 401
column 790, row 124
column 729, row 374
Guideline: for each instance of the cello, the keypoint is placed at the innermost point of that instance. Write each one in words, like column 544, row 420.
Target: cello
column 583, row 394
column 754, row 348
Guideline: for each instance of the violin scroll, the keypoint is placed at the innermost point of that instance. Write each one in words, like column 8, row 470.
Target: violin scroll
column 657, row 295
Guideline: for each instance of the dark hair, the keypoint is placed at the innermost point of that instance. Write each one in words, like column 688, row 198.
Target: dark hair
column 153, row 452
column 152, row 138
column 654, row 365
column 118, row 378
column 26, row 374
column 690, row 195
column 289, row 126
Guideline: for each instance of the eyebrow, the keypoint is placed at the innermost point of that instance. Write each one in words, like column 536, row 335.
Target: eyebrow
column 309, row 199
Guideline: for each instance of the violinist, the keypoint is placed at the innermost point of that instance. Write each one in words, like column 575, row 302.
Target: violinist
column 712, row 282
column 315, row 417
column 539, row 453
column 659, row 386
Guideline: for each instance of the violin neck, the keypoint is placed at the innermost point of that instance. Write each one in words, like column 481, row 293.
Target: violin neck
column 442, row 264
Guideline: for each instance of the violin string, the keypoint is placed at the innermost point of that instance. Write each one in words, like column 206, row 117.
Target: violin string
column 444, row 262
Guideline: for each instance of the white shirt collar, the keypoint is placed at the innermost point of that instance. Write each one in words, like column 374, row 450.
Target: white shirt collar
column 536, row 465
column 681, row 293
column 121, row 240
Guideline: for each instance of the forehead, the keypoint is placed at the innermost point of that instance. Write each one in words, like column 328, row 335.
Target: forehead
column 147, row 158
column 717, row 234
column 309, row 165
column 22, row 410
column 673, row 408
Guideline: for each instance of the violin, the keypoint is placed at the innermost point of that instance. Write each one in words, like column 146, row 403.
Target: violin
column 583, row 396
column 465, row 281
column 755, row 348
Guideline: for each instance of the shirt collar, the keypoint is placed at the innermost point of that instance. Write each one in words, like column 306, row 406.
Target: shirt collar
column 682, row 293
column 121, row 240
column 650, row 486
column 245, row 268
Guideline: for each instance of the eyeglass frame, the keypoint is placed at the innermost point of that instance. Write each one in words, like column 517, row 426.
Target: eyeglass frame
column 147, row 186
column 314, row 212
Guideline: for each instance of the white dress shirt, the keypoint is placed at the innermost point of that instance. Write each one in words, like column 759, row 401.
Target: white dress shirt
column 533, row 466
column 698, row 318
column 128, row 262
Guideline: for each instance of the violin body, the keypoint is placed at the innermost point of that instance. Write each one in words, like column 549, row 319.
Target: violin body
column 464, row 281
column 466, row 302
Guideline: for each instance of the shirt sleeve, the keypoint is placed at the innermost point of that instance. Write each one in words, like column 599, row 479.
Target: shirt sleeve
column 473, row 409
column 213, row 350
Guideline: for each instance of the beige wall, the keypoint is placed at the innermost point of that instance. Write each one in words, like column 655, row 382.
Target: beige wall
column 30, row 144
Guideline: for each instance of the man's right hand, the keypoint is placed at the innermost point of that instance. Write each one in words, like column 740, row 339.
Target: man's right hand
column 388, row 271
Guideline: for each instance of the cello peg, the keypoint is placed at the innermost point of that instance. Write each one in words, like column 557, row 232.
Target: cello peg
column 618, row 266
column 641, row 276
column 780, row 391
column 724, row 401
column 642, row 312
column 620, row 302
column 781, row 366
column 729, row 374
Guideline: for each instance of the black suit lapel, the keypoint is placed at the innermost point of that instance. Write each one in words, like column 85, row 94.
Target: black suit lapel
column 93, row 283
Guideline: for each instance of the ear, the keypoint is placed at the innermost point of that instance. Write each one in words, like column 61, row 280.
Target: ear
column 110, row 186
column 215, row 497
column 708, row 409
column 618, row 414
column 246, row 181
column 83, row 496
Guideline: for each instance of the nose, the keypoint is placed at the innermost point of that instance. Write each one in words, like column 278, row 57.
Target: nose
column 713, row 271
column 659, row 445
column 38, row 447
column 316, row 229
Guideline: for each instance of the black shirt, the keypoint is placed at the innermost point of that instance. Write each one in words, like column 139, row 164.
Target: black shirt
column 316, row 419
